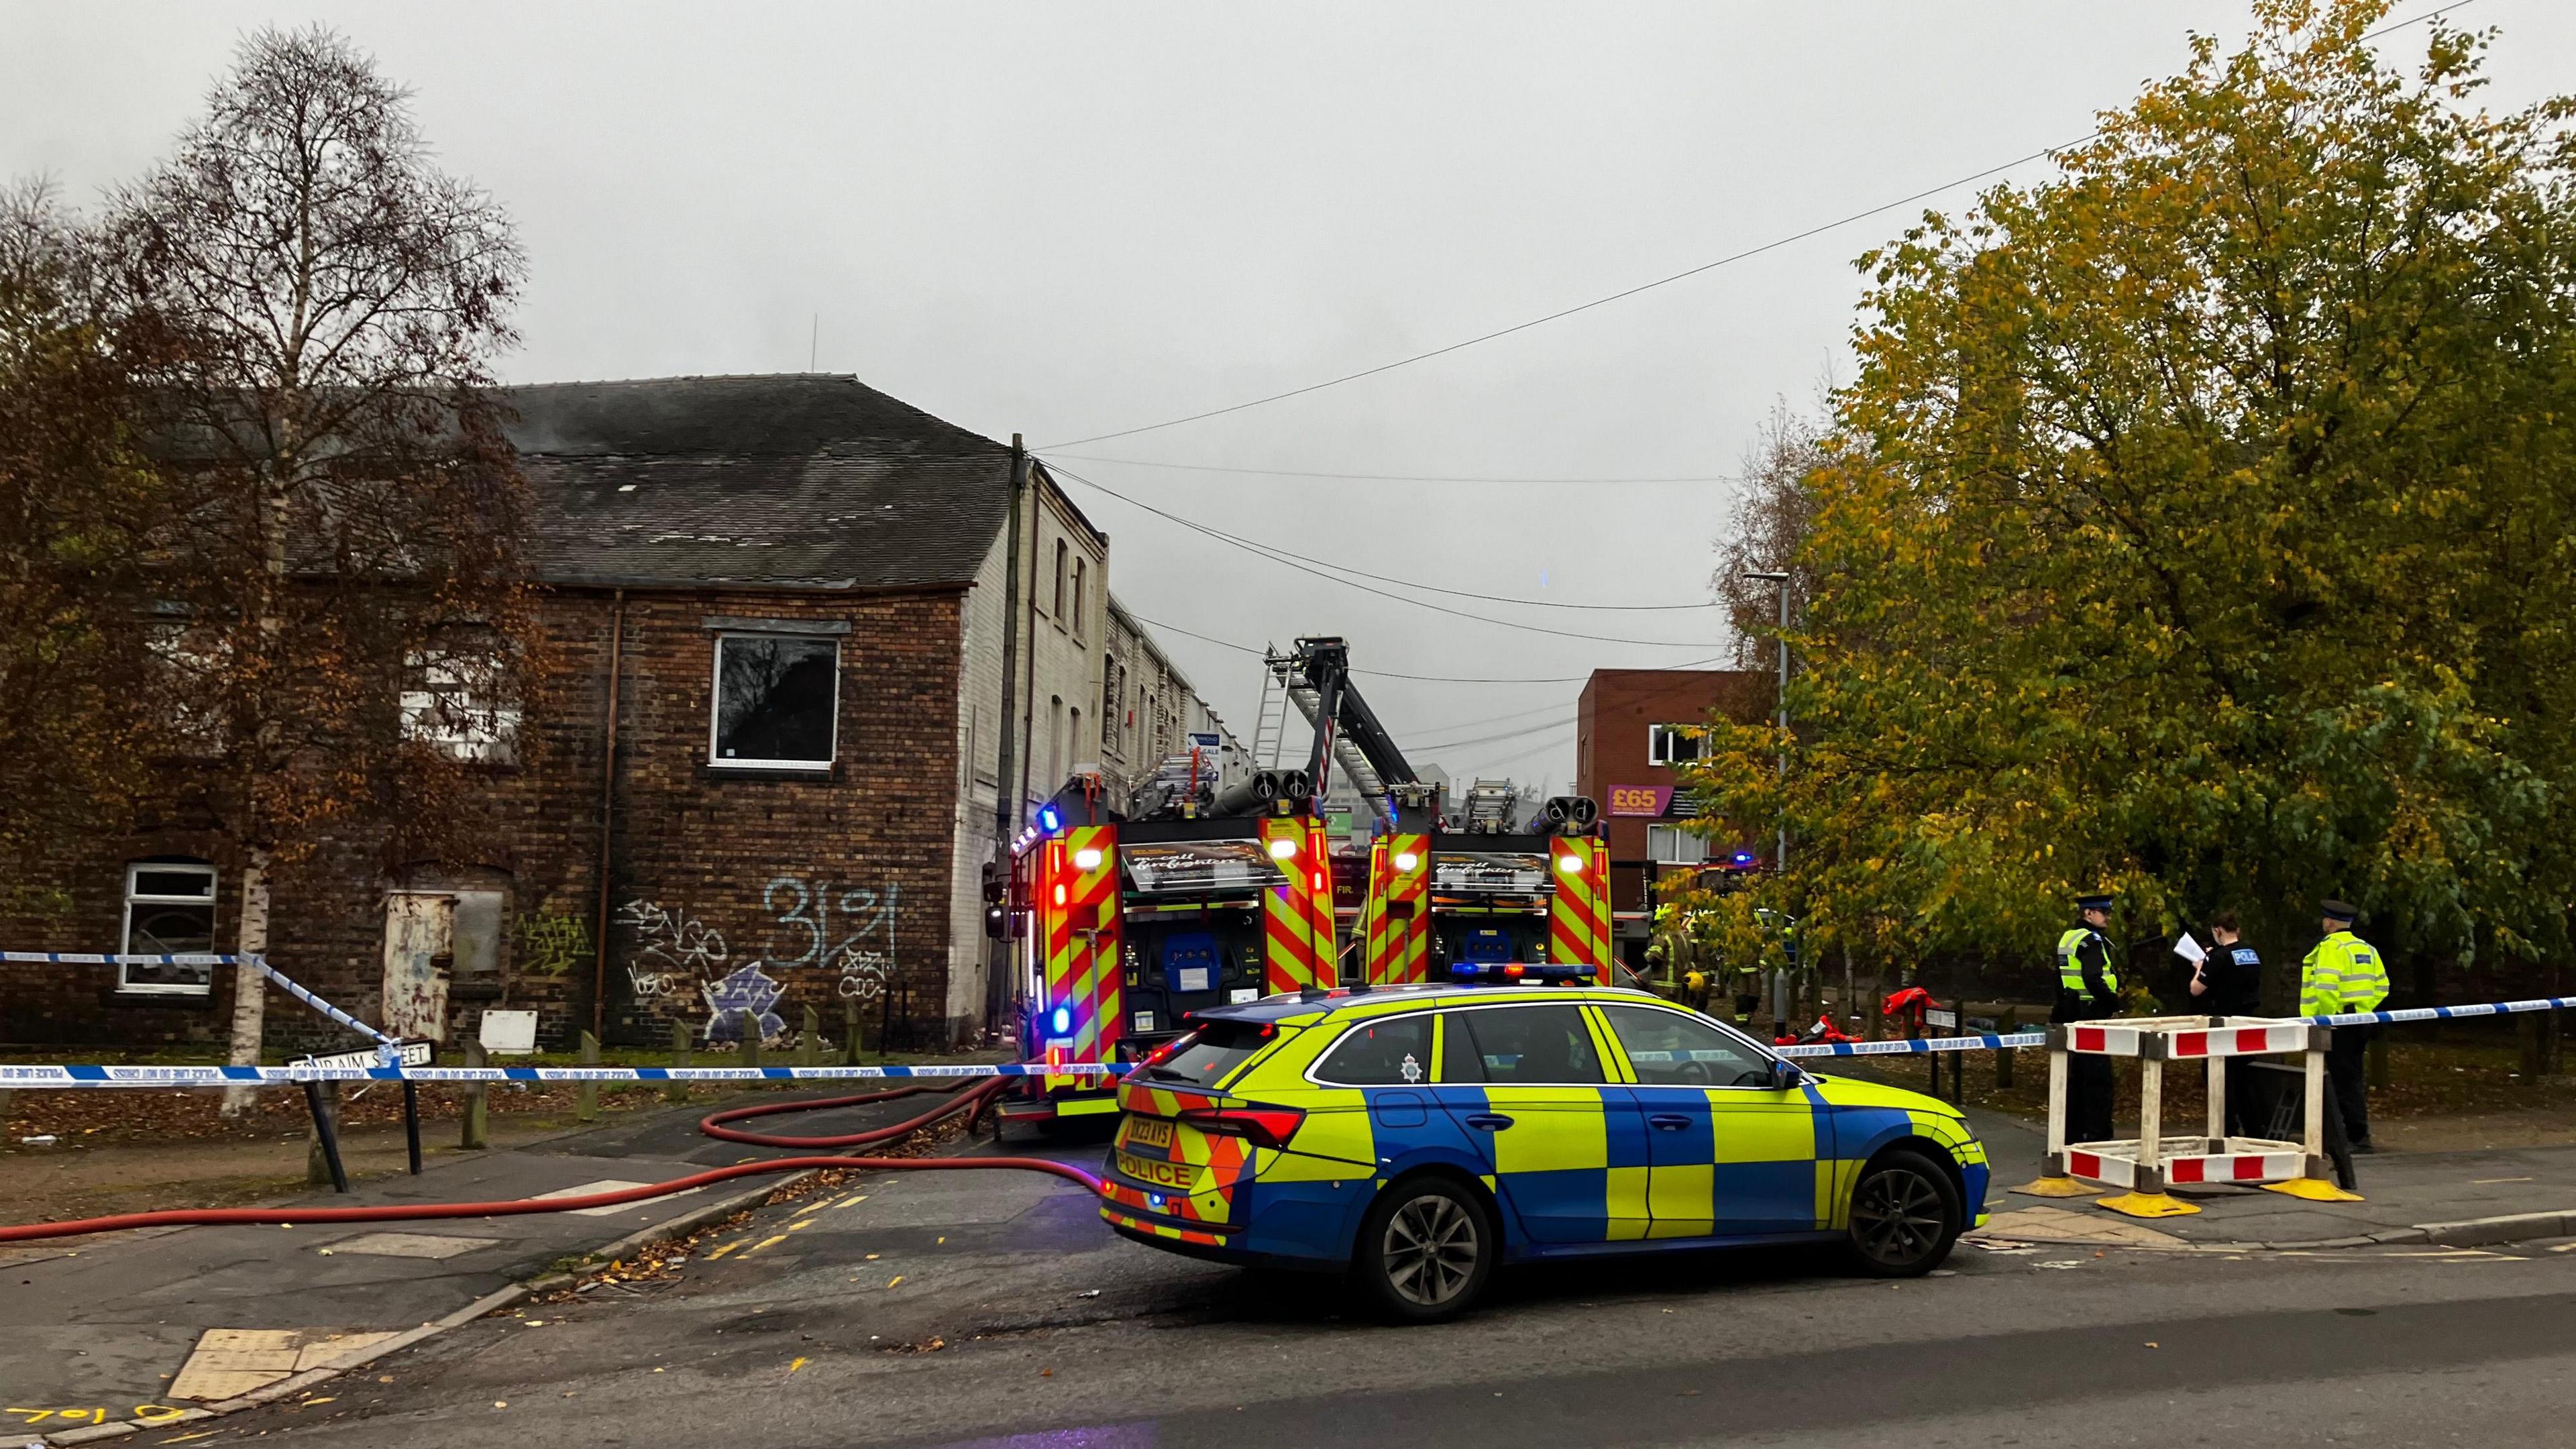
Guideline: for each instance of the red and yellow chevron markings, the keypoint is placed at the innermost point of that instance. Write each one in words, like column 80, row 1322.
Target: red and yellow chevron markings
column 1395, row 922
column 1297, row 917
column 1578, row 915
column 1078, row 901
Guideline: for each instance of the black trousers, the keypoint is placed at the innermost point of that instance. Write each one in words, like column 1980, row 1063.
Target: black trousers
column 2345, row 1068
column 2088, row 1097
column 2242, row 1118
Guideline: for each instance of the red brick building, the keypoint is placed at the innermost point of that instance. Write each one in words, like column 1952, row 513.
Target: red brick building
column 1630, row 733
column 786, row 600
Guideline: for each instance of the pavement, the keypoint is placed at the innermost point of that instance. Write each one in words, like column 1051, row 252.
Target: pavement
column 2461, row 1199
column 869, row 1288
column 105, row 1327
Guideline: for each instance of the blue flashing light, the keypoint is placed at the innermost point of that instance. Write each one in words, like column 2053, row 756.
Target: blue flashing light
column 1744, row 857
column 1049, row 820
column 1060, row 1021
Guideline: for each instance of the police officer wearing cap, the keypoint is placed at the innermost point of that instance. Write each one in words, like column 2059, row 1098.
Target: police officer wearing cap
column 2345, row 974
column 2088, row 988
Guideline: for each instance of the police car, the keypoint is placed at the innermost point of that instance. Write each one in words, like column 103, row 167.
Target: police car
column 1420, row 1136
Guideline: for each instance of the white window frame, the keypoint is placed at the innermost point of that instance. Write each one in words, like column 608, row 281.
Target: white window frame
column 125, row 934
column 1671, row 835
column 1660, row 739
column 715, row 701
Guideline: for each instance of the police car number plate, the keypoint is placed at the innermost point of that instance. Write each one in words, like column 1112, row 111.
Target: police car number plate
column 1148, row 1132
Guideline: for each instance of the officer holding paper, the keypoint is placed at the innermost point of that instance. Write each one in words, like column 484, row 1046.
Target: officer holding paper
column 2226, row 981
column 2088, row 989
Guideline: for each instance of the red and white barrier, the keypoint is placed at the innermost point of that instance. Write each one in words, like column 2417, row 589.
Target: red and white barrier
column 2149, row 1163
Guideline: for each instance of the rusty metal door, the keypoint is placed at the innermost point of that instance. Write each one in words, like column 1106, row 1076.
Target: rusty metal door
column 420, row 936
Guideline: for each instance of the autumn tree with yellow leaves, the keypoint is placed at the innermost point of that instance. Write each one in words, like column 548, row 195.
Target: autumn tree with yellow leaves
column 2199, row 524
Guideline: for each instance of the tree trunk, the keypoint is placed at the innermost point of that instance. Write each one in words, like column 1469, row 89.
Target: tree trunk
column 250, row 989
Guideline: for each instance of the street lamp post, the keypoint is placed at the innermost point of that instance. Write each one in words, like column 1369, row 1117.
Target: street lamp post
column 1780, row 856
column 1780, row 860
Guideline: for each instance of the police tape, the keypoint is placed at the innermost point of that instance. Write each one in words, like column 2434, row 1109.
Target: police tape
column 1914, row 1046
column 296, row 1074
column 204, row 958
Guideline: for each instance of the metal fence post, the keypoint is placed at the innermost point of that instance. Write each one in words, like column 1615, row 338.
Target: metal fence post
column 476, row 1120
column 322, row 1160
column 678, row 1091
column 2006, row 1025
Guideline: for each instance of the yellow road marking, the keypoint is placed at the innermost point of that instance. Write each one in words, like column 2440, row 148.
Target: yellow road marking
column 793, row 1367
column 727, row 1248
column 800, row 1227
column 763, row 1243
column 897, row 1279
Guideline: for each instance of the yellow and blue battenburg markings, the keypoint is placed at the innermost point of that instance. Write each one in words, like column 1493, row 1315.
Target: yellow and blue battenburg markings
column 1578, row 1168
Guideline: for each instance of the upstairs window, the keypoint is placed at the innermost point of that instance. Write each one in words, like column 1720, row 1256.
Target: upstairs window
column 1672, row 845
column 777, row 701
column 169, row 911
column 1672, row 744
column 1081, row 569
column 455, row 706
column 1061, row 552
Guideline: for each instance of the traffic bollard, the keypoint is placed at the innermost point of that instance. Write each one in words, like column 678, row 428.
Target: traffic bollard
column 849, row 1031
column 476, row 1119
column 809, row 1045
column 750, row 1040
column 586, row 1097
column 678, row 1091
column 411, row 1125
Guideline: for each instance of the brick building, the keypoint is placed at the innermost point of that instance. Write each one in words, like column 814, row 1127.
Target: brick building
column 1631, row 731
column 790, row 602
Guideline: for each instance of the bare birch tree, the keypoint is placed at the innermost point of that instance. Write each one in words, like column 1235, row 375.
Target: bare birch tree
column 341, row 609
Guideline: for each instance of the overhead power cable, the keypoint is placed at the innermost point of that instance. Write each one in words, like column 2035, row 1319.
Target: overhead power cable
column 1316, row 568
column 1728, row 260
column 1385, row 477
column 1424, row 678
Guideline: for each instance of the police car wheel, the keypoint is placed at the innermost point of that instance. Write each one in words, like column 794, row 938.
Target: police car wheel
column 1904, row 1216
column 1426, row 1249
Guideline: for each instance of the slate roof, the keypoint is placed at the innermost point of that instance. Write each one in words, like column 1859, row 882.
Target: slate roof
column 799, row 480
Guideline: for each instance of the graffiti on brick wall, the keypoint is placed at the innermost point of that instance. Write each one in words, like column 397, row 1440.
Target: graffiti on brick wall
column 675, row 952
column 847, row 930
column 552, row 943
column 737, row 1001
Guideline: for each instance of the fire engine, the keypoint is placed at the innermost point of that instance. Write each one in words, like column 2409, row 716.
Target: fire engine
column 1480, row 897
column 1125, row 917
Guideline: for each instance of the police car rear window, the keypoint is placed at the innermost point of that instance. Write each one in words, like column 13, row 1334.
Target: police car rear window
column 1210, row 1054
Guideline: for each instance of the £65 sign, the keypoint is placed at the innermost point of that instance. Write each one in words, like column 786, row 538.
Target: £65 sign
column 1640, row 799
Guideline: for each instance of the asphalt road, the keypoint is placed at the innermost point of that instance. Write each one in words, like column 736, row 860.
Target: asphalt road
column 988, row 1309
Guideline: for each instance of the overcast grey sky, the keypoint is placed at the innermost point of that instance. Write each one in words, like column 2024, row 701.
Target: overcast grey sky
column 1069, row 219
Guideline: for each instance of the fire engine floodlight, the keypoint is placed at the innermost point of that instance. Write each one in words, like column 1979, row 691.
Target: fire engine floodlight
column 1284, row 848
column 1570, row 864
column 1087, row 858
column 1406, row 860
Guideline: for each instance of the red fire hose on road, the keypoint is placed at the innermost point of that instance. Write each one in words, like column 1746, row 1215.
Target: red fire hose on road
column 970, row 1101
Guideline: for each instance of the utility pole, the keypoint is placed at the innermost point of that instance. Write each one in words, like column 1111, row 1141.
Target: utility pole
column 1006, row 808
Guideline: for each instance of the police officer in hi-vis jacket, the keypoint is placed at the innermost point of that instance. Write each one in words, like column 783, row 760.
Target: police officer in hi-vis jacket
column 2088, row 988
column 2345, row 974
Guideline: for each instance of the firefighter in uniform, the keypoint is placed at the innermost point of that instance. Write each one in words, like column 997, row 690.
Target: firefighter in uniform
column 2344, row 974
column 2088, row 988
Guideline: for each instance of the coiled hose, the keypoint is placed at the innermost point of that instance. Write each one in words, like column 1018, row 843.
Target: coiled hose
column 970, row 1101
